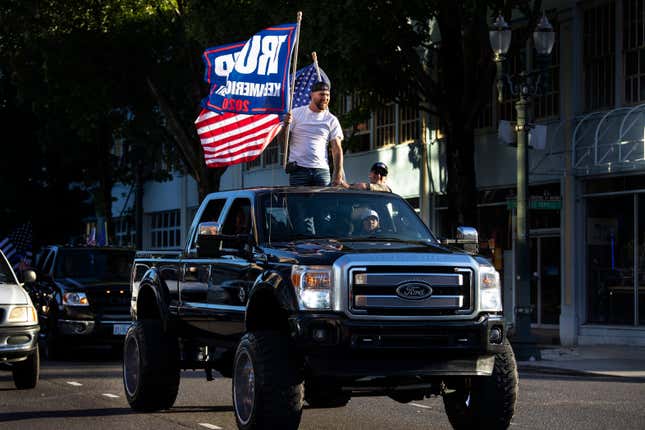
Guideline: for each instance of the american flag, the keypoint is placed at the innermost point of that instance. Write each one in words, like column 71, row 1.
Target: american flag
column 17, row 247
column 305, row 78
column 232, row 138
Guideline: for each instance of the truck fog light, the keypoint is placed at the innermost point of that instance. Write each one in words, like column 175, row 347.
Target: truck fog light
column 495, row 335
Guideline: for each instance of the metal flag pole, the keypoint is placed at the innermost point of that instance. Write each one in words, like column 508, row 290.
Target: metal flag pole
column 315, row 58
column 285, row 156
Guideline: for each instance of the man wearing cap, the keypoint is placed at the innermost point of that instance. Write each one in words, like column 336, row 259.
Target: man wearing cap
column 377, row 177
column 312, row 127
column 369, row 221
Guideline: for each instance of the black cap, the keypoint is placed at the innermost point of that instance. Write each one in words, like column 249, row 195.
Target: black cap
column 320, row 86
column 379, row 168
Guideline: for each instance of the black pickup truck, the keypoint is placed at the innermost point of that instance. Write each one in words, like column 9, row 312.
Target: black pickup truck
column 319, row 295
column 82, row 296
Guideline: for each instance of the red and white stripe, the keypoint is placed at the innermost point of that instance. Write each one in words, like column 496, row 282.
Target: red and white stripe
column 231, row 138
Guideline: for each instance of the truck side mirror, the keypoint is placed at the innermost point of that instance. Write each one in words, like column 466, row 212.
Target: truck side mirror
column 209, row 240
column 466, row 238
column 28, row 276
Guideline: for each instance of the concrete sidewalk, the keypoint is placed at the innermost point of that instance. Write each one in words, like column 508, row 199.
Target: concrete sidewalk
column 601, row 360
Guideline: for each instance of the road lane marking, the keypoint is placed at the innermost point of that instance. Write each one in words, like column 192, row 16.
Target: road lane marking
column 210, row 426
column 420, row 406
column 74, row 383
column 111, row 396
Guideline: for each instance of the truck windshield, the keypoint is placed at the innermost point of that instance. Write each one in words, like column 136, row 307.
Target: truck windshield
column 343, row 216
column 6, row 276
column 109, row 265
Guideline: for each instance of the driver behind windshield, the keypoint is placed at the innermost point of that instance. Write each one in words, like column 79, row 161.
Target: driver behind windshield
column 369, row 222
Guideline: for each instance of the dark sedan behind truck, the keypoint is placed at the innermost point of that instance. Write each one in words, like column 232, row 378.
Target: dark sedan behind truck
column 82, row 296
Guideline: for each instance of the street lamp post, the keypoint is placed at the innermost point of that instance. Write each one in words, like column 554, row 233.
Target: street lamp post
column 525, row 86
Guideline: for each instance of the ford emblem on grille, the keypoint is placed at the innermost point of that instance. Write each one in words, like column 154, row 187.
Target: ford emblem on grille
column 414, row 291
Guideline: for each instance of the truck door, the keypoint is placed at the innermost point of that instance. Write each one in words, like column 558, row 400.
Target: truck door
column 195, row 276
column 233, row 273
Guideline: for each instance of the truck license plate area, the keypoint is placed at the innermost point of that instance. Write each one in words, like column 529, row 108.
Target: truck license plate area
column 120, row 329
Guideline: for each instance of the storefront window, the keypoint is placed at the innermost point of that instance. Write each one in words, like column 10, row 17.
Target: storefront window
column 610, row 259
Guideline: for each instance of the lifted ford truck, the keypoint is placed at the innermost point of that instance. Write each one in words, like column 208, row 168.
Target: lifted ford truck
column 319, row 295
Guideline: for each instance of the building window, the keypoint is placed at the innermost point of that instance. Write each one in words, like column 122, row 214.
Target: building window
column 358, row 115
column 254, row 163
column 598, row 56
column 271, row 154
column 634, row 50
column 124, row 231
column 165, row 230
column 385, row 125
column 609, row 234
column 408, row 125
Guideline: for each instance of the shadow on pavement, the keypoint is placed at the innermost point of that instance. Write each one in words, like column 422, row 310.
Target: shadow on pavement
column 76, row 413
column 104, row 412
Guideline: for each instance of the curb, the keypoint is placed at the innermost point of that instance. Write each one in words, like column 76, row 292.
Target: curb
column 548, row 370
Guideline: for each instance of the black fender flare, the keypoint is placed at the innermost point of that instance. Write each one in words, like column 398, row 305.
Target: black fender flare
column 273, row 286
column 281, row 287
column 152, row 281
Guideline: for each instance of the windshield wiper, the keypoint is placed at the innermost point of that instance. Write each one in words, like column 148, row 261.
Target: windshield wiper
column 385, row 239
column 300, row 237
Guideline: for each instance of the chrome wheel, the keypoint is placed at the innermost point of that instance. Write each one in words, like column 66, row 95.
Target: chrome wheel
column 131, row 366
column 244, row 387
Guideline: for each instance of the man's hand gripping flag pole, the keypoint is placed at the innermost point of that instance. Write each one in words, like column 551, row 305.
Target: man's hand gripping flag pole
column 285, row 156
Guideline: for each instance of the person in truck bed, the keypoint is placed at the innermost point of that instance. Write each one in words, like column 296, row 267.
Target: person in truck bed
column 377, row 177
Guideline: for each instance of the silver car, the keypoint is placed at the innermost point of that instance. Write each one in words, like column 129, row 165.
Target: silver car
column 18, row 328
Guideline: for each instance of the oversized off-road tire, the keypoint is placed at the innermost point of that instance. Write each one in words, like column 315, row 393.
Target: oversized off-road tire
column 485, row 402
column 150, row 366
column 319, row 395
column 27, row 372
column 268, row 388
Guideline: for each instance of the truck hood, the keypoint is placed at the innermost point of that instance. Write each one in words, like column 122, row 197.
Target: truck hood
column 12, row 294
column 92, row 284
column 326, row 251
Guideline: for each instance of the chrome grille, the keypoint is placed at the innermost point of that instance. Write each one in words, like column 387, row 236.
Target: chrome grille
column 114, row 305
column 373, row 290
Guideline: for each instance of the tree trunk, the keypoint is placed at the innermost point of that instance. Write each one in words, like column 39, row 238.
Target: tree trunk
column 462, row 189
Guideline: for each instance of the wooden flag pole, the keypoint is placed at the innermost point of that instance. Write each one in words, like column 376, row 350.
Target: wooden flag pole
column 315, row 58
column 285, row 156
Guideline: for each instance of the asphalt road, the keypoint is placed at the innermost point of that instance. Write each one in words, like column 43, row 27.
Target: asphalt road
column 87, row 393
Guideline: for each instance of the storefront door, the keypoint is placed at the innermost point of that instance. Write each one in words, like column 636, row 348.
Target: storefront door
column 545, row 282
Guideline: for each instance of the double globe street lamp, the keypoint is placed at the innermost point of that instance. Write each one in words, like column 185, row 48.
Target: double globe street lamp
column 522, row 88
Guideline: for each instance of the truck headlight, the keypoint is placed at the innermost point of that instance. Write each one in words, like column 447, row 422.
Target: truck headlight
column 313, row 286
column 75, row 299
column 490, row 291
column 22, row 314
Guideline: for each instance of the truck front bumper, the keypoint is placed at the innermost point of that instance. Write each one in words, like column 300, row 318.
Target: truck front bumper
column 17, row 342
column 336, row 345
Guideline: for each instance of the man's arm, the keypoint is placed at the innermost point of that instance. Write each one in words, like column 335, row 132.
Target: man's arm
column 337, row 154
column 360, row 186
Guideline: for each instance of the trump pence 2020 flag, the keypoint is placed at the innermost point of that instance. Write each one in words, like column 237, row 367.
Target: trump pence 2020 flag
column 258, row 81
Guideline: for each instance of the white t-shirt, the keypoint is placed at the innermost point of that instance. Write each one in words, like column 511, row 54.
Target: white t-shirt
column 310, row 133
